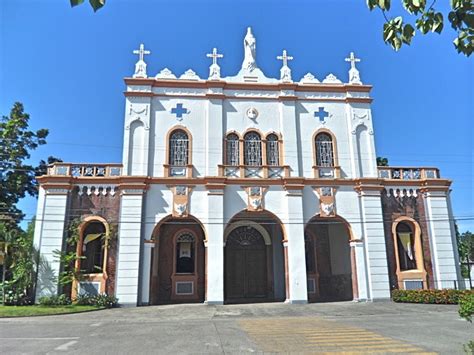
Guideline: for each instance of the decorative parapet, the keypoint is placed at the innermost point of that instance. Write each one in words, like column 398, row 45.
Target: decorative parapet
column 85, row 170
column 262, row 171
column 405, row 173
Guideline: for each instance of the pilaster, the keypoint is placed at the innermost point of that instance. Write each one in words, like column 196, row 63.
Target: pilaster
column 214, row 130
column 294, row 247
column 214, row 228
column 442, row 239
column 374, row 239
column 129, row 245
column 288, row 123
column 49, row 237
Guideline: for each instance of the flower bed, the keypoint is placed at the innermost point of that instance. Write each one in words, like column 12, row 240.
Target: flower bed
column 446, row 296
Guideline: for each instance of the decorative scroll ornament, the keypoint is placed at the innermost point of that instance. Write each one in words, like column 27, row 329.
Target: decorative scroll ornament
column 255, row 198
column 309, row 79
column 327, row 209
column 180, row 209
column 190, row 75
column 165, row 74
column 331, row 79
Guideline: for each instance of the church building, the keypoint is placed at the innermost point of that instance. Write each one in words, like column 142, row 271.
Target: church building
column 245, row 188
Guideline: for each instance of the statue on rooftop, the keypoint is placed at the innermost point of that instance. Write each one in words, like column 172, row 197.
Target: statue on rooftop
column 250, row 57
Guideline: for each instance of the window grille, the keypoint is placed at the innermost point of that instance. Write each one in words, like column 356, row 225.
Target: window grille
column 252, row 149
column 324, row 150
column 273, row 154
column 179, row 147
column 232, row 150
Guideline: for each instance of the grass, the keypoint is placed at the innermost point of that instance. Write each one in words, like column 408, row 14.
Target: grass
column 36, row 310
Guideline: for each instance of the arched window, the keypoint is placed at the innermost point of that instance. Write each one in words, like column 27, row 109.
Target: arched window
column 178, row 148
column 406, row 246
column 232, row 149
column 324, row 150
column 252, row 149
column 185, row 253
column 93, row 248
column 273, row 151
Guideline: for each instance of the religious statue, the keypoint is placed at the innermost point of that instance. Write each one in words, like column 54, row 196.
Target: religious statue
column 249, row 62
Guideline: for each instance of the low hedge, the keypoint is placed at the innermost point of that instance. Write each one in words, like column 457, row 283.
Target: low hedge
column 446, row 296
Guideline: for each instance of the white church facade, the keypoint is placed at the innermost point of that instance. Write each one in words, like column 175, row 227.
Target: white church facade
column 246, row 189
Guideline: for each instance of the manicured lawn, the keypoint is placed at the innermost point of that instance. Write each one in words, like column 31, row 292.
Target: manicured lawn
column 25, row 311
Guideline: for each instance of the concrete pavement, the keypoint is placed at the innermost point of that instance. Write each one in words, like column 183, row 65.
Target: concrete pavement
column 345, row 327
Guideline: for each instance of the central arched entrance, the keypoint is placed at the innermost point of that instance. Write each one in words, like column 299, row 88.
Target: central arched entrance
column 254, row 259
column 246, row 264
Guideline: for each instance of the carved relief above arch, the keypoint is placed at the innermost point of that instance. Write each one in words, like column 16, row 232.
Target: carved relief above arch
column 139, row 119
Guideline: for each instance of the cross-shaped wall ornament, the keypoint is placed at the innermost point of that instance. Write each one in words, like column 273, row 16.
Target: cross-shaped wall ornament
column 285, row 58
column 141, row 52
column 214, row 55
column 179, row 110
column 352, row 58
column 321, row 114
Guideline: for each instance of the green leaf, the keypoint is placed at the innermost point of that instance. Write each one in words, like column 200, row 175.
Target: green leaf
column 396, row 43
column 437, row 27
column 76, row 2
column 408, row 33
column 371, row 4
column 384, row 4
column 97, row 4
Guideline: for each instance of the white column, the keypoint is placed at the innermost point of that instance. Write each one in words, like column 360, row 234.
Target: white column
column 49, row 237
column 442, row 239
column 214, row 136
column 129, row 246
column 291, row 142
column 361, row 270
column 375, row 247
column 215, row 247
column 297, row 281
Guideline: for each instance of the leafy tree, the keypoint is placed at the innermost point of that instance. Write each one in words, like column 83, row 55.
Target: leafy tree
column 17, row 178
column 96, row 4
column 382, row 161
column 397, row 32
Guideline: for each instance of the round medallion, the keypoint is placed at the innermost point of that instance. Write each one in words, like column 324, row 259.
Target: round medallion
column 252, row 113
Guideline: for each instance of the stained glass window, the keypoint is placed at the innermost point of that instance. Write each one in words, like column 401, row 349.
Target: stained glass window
column 179, row 148
column 252, row 149
column 232, row 149
column 273, row 152
column 324, row 150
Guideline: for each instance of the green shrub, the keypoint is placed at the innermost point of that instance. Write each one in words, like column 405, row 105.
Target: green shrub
column 445, row 296
column 15, row 296
column 61, row 300
column 102, row 300
column 466, row 306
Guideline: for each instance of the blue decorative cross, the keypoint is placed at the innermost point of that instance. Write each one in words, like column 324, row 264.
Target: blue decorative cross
column 179, row 110
column 321, row 114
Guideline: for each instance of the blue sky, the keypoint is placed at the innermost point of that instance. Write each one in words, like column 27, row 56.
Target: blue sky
column 67, row 67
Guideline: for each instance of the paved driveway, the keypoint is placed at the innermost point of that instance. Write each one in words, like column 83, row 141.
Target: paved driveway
column 271, row 328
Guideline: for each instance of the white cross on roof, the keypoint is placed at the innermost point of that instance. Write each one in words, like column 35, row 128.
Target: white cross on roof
column 285, row 58
column 141, row 52
column 214, row 55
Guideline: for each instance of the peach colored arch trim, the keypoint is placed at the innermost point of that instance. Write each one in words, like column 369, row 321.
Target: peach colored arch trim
column 348, row 226
column 169, row 217
column 419, row 272
column 334, row 145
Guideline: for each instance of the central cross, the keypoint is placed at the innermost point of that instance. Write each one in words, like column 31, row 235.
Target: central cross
column 141, row 52
column 285, row 58
column 353, row 60
column 321, row 114
column 179, row 110
column 214, row 55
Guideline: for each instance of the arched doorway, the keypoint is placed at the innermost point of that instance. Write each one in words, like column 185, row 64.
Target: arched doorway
column 178, row 262
column 329, row 266
column 253, row 259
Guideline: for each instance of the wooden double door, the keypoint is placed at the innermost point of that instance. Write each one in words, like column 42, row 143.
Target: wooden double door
column 245, row 266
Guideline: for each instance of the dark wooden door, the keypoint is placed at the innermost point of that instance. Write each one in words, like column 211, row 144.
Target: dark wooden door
column 245, row 264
